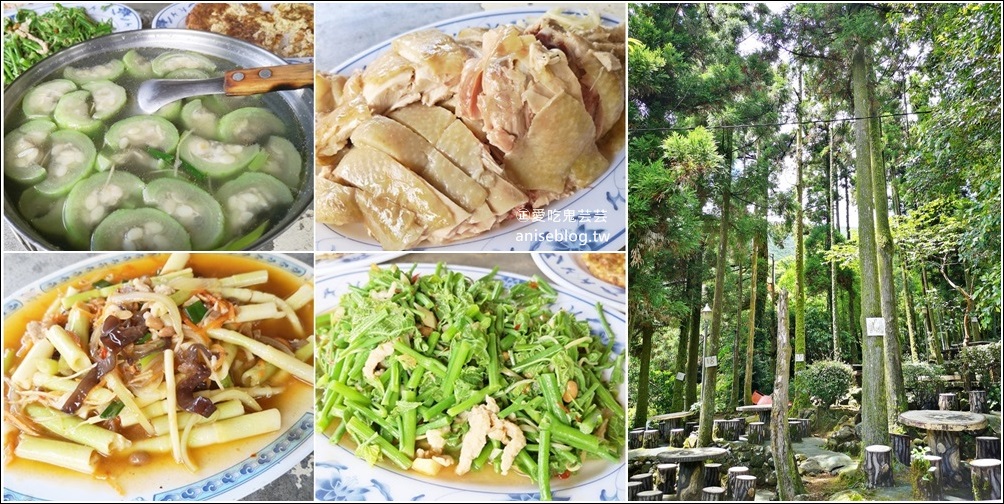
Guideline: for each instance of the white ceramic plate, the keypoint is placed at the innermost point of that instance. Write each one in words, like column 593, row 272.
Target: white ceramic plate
column 599, row 211
column 123, row 18
column 343, row 262
column 174, row 16
column 568, row 270
column 340, row 475
column 226, row 479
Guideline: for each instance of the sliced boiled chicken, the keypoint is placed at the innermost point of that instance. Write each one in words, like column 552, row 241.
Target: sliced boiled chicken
column 417, row 154
column 380, row 175
column 335, row 203
column 395, row 227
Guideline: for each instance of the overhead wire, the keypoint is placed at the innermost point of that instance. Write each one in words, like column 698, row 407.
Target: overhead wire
column 792, row 123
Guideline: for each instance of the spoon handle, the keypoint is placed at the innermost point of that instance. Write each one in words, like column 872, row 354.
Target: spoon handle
column 249, row 81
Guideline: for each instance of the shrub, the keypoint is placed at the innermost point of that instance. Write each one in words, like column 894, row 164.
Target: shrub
column 923, row 384
column 981, row 364
column 823, row 382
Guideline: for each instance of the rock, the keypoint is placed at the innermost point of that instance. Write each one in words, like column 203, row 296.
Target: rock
column 799, row 457
column 832, row 463
column 843, row 434
column 810, row 467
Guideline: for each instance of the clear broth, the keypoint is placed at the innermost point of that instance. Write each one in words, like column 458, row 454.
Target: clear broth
column 294, row 133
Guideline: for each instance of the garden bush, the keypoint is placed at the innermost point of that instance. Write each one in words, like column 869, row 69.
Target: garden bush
column 822, row 383
column 982, row 364
column 923, row 384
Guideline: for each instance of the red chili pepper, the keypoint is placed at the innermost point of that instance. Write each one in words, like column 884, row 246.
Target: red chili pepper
column 533, row 284
column 565, row 475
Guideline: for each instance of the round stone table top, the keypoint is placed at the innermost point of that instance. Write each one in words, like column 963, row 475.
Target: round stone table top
column 954, row 421
column 756, row 407
column 692, row 454
column 671, row 416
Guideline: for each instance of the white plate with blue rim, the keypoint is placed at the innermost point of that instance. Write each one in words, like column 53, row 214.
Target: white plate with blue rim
column 122, row 17
column 340, row 475
column 175, row 16
column 568, row 270
column 593, row 218
column 227, row 474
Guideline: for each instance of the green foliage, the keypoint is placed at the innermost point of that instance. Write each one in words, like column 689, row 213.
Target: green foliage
column 918, row 470
column 923, row 384
column 982, row 363
column 822, row 382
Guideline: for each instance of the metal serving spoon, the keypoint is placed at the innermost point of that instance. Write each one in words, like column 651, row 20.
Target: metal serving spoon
column 154, row 94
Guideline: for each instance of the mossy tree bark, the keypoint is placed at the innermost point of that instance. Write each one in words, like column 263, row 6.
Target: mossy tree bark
column 885, row 248
column 734, row 392
column 799, row 240
column 789, row 484
column 711, row 345
column 831, row 225
column 644, row 361
column 874, row 422
column 933, row 341
column 750, row 337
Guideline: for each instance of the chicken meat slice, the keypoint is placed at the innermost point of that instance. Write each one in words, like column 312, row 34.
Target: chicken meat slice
column 543, row 158
column 458, row 143
column 601, row 73
column 380, row 175
column 332, row 130
column 394, row 226
column 387, row 83
column 515, row 442
column 417, row 154
column 437, row 60
column 336, row 203
column 480, row 421
column 375, row 358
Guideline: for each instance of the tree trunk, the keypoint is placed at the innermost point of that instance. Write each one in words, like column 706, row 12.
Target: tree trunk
column 853, row 324
column 693, row 355
column 847, row 202
column 799, row 241
column 679, row 381
column 833, row 212
column 751, row 335
column 911, row 313
column 933, row 341
column 789, row 484
column 644, row 361
column 874, row 422
column 734, row 395
column 711, row 345
column 895, row 393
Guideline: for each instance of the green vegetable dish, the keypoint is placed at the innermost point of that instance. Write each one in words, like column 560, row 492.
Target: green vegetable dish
column 87, row 170
column 440, row 373
column 30, row 37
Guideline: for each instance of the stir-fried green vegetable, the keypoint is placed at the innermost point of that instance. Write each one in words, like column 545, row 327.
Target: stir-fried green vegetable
column 31, row 37
column 412, row 366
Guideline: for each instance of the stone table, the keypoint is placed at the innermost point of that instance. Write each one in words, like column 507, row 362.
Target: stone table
column 943, row 429
column 762, row 410
column 672, row 420
column 690, row 479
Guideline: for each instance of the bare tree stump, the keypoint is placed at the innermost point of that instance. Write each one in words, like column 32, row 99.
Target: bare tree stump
column 745, row 488
column 988, row 447
column 795, row 430
column 938, row 485
column 978, row 401
column 756, row 432
column 645, row 479
column 946, row 402
column 713, row 493
column 901, row 447
column 650, row 495
column 650, row 439
column 734, row 472
column 667, row 477
column 929, row 487
column 634, row 438
column 712, row 474
column 676, row 438
column 878, row 466
column 633, row 487
column 986, row 479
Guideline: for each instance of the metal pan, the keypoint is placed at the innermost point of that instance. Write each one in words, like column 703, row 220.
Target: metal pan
column 296, row 105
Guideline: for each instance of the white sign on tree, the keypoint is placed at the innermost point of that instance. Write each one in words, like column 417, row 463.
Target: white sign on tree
column 875, row 326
